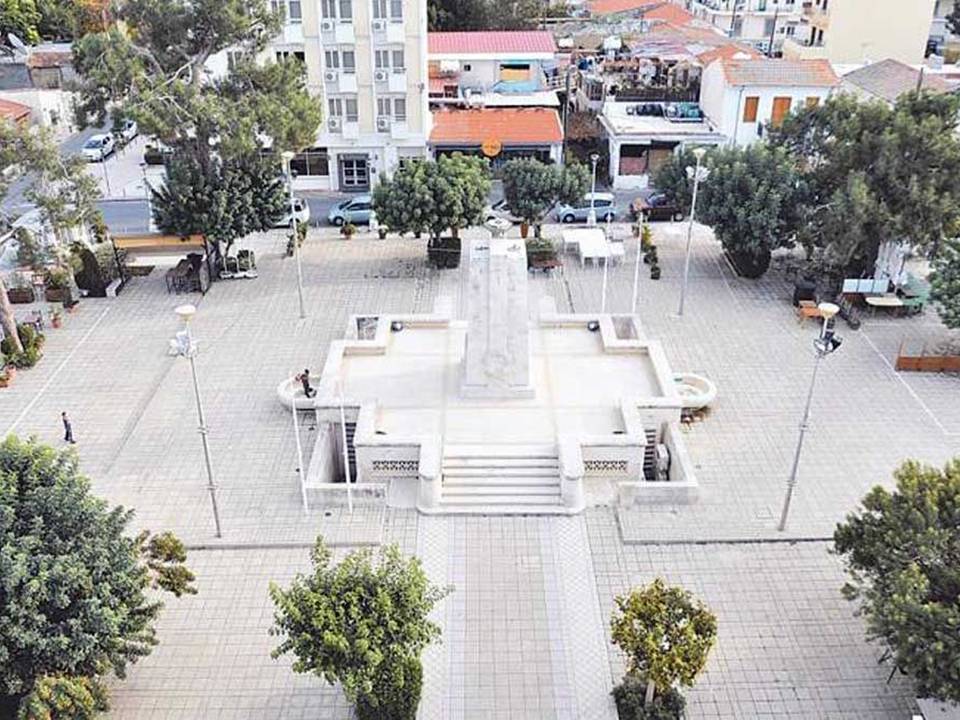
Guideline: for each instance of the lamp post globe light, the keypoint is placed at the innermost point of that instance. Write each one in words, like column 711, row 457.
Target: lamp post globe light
column 185, row 347
column 825, row 344
column 288, row 156
column 592, row 216
column 697, row 175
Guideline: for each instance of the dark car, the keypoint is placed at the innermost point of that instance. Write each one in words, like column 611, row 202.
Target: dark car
column 656, row 207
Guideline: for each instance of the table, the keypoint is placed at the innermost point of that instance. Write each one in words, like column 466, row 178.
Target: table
column 593, row 248
column 883, row 301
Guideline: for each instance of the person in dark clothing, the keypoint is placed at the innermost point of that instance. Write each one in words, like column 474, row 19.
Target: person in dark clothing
column 67, row 429
column 304, row 379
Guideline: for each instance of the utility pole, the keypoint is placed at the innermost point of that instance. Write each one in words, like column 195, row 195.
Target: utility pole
column 773, row 29
column 566, row 112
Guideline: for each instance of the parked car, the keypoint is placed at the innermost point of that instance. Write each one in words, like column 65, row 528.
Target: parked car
column 98, row 147
column 602, row 205
column 156, row 153
column 302, row 211
column 657, row 207
column 128, row 131
column 356, row 211
column 501, row 210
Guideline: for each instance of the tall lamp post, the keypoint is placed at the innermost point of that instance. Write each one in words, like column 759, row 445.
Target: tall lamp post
column 697, row 174
column 288, row 165
column 636, row 266
column 188, row 349
column 825, row 344
column 592, row 216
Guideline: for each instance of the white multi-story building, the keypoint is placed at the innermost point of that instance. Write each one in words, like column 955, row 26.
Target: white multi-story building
column 368, row 61
column 751, row 21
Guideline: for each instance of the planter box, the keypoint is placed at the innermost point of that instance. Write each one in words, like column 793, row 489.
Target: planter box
column 57, row 295
column 928, row 363
column 21, row 295
column 445, row 253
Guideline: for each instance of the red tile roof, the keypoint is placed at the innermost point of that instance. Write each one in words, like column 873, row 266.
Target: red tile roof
column 49, row 58
column 789, row 73
column 14, row 111
column 490, row 43
column 653, row 9
column 511, row 126
column 728, row 52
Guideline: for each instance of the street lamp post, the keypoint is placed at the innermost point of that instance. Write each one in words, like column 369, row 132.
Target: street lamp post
column 696, row 174
column 636, row 266
column 592, row 217
column 825, row 344
column 288, row 160
column 186, row 348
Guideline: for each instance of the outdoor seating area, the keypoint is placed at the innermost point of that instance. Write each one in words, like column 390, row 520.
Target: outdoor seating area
column 187, row 275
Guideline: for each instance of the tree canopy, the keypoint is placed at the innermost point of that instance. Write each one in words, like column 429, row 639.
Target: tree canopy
column 531, row 187
column 945, row 283
column 450, row 15
column 902, row 552
column 74, row 584
column 432, row 197
column 665, row 633
column 20, row 17
column 362, row 623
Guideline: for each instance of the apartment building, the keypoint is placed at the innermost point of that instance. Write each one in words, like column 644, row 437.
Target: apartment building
column 754, row 22
column 940, row 34
column 368, row 61
column 858, row 31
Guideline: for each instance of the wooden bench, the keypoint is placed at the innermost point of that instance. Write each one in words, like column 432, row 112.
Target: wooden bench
column 807, row 309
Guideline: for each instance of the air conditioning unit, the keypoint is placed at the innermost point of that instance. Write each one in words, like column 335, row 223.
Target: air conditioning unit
column 326, row 25
column 330, row 76
column 380, row 76
column 383, row 123
column 333, row 123
column 379, row 25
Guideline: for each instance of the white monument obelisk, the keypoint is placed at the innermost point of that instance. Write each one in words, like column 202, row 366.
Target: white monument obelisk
column 496, row 359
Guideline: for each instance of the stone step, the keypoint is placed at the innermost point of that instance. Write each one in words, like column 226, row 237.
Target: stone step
column 518, row 491
column 495, row 509
column 501, row 499
column 503, row 450
column 486, row 462
column 456, row 480
column 506, row 472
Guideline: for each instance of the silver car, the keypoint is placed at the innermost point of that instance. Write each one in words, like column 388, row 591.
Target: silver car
column 355, row 211
column 603, row 205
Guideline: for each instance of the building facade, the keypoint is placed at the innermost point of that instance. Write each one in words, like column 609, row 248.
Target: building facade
column 367, row 59
column 754, row 22
column 858, row 31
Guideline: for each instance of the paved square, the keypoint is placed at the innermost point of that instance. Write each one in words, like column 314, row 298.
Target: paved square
column 525, row 629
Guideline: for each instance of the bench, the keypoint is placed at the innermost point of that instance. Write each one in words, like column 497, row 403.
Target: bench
column 545, row 264
column 807, row 309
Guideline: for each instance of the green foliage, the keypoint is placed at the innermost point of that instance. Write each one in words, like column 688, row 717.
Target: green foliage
column 31, row 342
column 953, row 19
column 56, row 697
column 428, row 196
column 531, row 187
column 630, row 698
column 165, row 557
column 71, row 19
column 363, row 624
column 222, row 200
column 30, row 253
column 73, row 582
column 98, row 267
column 875, row 173
column 665, row 633
column 902, row 551
column 21, row 18
column 449, row 15
column 945, row 283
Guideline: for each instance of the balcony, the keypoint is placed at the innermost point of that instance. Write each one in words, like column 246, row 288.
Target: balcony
column 397, row 80
column 337, row 32
column 388, row 30
column 338, row 81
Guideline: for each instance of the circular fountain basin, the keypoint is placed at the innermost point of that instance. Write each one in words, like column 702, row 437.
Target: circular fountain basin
column 696, row 391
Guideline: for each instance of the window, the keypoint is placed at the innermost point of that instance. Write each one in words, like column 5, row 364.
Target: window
column 312, row 161
column 750, row 109
column 349, row 62
column 345, row 108
column 400, row 109
column 346, row 10
column 380, row 9
column 388, row 10
column 284, row 55
column 781, row 106
column 396, row 10
column 328, row 9
column 351, row 109
column 331, row 59
column 383, row 107
column 813, row 101
column 335, row 105
column 398, row 64
column 381, row 59
column 294, row 13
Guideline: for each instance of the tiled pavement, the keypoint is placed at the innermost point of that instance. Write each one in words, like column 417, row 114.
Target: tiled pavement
column 524, row 603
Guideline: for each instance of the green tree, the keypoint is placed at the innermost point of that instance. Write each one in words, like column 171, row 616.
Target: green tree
column 945, row 283
column 21, row 18
column 901, row 159
column 752, row 199
column 902, row 552
column 665, row 633
column 64, row 698
column 74, row 584
column 363, row 624
column 432, row 197
column 953, row 19
column 451, row 15
column 531, row 187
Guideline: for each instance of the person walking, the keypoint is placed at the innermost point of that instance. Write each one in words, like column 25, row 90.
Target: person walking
column 304, row 379
column 67, row 429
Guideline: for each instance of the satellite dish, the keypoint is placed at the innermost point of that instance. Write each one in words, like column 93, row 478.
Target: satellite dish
column 17, row 42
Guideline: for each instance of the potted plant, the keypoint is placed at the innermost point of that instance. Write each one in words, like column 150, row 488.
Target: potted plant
column 524, row 229
column 382, row 231
column 348, row 230
column 654, row 271
column 650, row 256
column 56, row 317
column 646, row 238
column 7, row 373
column 20, row 290
column 57, row 284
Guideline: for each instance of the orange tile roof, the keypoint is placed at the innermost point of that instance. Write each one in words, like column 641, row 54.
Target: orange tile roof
column 511, row 126
column 653, row 9
column 790, row 73
column 728, row 52
column 14, row 111
column 490, row 43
